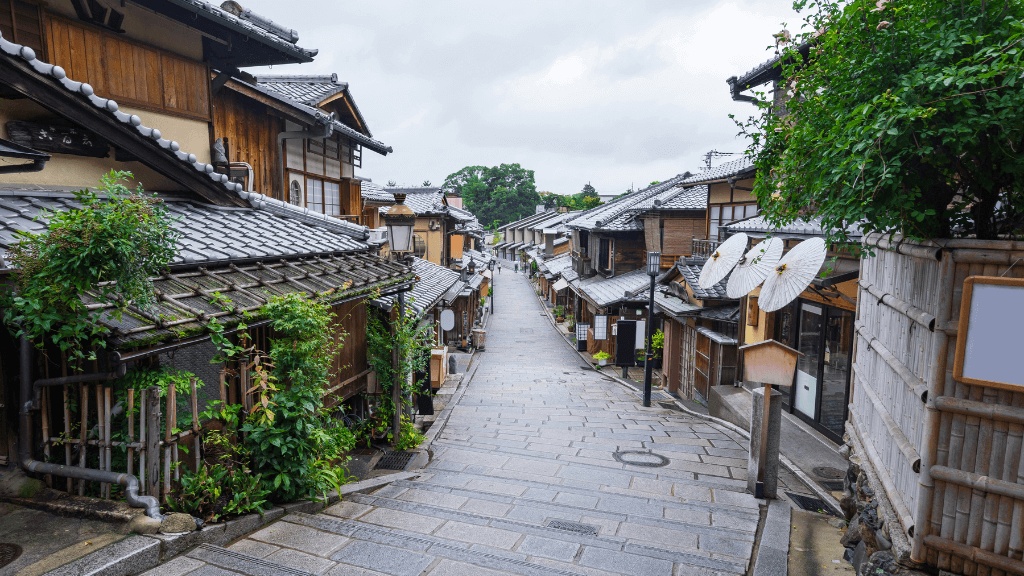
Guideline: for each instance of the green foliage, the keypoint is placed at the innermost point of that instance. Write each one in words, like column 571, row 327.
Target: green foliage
column 658, row 342
column 582, row 200
column 905, row 116
column 383, row 336
column 109, row 248
column 226, row 486
column 294, row 443
column 559, row 310
column 410, row 437
column 602, row 355
column 502, row 193
column 162, row 378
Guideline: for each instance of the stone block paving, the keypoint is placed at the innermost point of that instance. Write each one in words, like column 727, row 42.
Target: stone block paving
column 523, row 481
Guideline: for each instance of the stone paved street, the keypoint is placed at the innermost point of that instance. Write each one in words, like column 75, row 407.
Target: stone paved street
column 523, row 481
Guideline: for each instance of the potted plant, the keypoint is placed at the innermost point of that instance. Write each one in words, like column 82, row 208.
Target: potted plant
column 572, row 322
column 602, row 358
column 559, row 312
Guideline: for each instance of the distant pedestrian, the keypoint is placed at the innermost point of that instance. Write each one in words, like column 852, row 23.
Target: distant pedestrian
column 517, row 267
column 499, row 268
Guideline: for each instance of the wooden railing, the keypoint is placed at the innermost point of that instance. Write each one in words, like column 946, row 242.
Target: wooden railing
column 704, row 248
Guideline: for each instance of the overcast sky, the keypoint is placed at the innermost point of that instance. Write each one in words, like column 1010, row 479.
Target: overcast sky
column 615, row 93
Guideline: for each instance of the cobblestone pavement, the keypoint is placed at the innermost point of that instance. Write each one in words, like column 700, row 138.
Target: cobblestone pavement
column 524, row 479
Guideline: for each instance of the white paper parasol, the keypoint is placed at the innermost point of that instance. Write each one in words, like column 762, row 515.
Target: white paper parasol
column 754, row 267
column 722, row 261
column 792, row 274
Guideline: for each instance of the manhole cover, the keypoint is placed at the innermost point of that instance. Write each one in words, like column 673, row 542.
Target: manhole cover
column 575, row 527
column 828, row 473
column 810, row 503
column 394, row 461
column 641, row 458
column 8, row 553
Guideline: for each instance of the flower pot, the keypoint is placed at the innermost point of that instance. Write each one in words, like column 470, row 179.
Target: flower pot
column 602, row 362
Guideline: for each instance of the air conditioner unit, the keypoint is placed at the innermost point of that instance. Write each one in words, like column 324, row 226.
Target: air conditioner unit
column 435, row 224
column 378, row 235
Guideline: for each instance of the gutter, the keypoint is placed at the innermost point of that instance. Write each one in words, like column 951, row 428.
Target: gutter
column 29, row 464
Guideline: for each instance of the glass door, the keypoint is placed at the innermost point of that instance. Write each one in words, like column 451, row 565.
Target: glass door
column 811, row 321
column 836, row 370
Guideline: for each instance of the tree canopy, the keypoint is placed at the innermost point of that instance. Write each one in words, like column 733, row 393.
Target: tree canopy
column 504, row 193
column 585, row 199
column 904, row 117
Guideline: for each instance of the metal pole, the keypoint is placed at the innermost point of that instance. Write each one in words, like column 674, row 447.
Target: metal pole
column 492, row 292
column 649, row 356
column 396, row 386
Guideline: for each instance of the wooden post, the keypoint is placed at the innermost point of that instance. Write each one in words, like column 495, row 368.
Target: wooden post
column 83, row 391
column 131, row 430
column 153, row 441
column 195, row 423
column 105, row 454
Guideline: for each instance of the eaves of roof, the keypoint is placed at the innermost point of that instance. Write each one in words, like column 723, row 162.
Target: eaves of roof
column 799, row 228
column 432, row 283
column 620, row 214
column 689, row 269
column 734, row 169
column 311, row 90
column 274, row 44
column 604, row 292
column 306, row 114
column 768, row 71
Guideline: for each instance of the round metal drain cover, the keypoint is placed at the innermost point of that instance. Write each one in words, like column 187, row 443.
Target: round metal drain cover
column 828, row 473
column 8, row 553
column 640, row 458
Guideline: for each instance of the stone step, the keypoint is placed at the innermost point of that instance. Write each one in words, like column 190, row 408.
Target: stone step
column 730, row 484
column 535, row 553
column 374, row 546
column 676, row 546
column 727, row 503
column 740, row 527
column 229, row 560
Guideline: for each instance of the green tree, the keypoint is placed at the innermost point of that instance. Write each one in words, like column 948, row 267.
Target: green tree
column 505, row 193
column 905, row 117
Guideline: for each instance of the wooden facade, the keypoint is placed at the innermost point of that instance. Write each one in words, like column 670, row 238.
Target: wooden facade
column 129, row 71
column 251, row 135
column 947, row 456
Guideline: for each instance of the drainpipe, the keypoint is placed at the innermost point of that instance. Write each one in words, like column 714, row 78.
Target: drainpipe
column 324, row 129
column 129, row 481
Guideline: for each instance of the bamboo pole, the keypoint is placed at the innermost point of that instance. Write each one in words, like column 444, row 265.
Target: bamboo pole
column 998, row 412
column 881, row 472
column 106, row 453
column 172, row 422
column 903, row 307
column 932, row 420
column 131, row 430
column 45, row 420
column 153, row 441
column 917, row 250
column 83, row 431
column 895, row 432
column 195, row 422
column 972, row 554
column 67, row 436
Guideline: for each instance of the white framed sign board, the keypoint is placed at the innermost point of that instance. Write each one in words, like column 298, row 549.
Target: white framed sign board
column 988, row 349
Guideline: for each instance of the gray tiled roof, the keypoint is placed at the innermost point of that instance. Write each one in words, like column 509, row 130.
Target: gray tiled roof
column 620, row 214
column 606, row 291
column 186, row 304
column 209, row 234
column 526, row 221
column 730, row 313
column 741, row 167
column 432, row 282
column 372, row 192
column 557, row 264
column 666, row 302
column 800, row 228
column 690, row 269
column 422, row 201
column 768, row 71
column 570, row 275
column 690, row 198
column 481, row 258
column 309, row 90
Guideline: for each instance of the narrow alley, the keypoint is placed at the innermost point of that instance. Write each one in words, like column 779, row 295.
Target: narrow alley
column 545, row 466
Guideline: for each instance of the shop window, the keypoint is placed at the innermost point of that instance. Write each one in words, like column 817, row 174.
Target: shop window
column 315, row 195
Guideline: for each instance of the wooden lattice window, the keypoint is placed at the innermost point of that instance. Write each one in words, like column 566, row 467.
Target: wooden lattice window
column 21, row 22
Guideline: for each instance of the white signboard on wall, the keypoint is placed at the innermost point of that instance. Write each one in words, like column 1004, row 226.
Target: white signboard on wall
column 988, row 352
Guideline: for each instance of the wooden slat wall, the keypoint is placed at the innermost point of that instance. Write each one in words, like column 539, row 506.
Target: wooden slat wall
column 129, row 72
column 252, row 138
column 351, row 360
column 21, row 22
column 679, row 235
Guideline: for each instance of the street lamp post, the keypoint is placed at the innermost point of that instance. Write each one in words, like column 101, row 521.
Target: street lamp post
column 653, row 267
column 400, row 221
column 490, row 266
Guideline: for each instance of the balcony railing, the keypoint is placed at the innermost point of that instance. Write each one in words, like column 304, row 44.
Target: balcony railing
column 704, row 248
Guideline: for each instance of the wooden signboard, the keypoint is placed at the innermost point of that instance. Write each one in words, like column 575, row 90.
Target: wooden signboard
column 988, row 350
column 57, row 139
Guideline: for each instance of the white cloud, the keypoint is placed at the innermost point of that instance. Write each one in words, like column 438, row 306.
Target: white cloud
column 615, row 93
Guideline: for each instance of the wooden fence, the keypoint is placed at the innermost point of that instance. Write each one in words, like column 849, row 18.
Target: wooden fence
column 948, row 455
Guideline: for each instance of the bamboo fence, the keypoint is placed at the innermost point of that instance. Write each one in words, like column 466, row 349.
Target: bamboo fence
column 948, row 455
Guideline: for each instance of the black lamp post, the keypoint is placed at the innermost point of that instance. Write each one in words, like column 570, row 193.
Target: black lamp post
column 490, row 266
column 653, row 267
column 400, row 221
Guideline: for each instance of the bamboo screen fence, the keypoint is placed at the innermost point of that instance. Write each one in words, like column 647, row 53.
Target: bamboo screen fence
column 948, row 455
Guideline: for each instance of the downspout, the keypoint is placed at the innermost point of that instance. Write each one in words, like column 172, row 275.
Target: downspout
column 324, row 129
column 129, row 481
